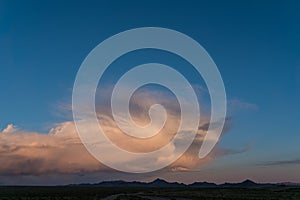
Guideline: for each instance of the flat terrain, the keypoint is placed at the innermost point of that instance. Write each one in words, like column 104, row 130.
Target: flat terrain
column 108, row 193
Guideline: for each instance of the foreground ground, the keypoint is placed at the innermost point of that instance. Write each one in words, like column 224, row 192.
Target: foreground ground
column 82, row 193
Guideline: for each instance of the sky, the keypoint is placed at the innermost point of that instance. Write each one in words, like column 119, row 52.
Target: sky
column 255, row 44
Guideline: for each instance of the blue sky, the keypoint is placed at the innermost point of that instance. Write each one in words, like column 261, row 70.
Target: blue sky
column 255, row 44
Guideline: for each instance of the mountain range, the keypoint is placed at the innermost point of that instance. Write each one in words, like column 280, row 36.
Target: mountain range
column 162, row 183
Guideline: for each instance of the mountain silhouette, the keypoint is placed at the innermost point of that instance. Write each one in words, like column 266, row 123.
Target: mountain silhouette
column 163, row 183
column 246, row 183
column 203, row 184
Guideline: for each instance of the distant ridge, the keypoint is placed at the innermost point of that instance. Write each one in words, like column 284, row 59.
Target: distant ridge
column 162, row 183
column 247, row 183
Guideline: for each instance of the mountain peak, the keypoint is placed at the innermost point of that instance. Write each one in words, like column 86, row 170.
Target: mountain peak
column 158, row 180
column 248, row 181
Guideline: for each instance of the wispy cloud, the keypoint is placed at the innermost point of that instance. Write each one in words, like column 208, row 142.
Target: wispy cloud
column 281, row 162
column 240, row 105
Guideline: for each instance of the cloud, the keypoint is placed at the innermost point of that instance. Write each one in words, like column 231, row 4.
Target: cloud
column 240, row 105
column 282, row 162
column 9, row 129
column 61, row 151
column 30, row 153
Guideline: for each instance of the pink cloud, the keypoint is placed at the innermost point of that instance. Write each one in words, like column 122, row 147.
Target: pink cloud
column 61, row 151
